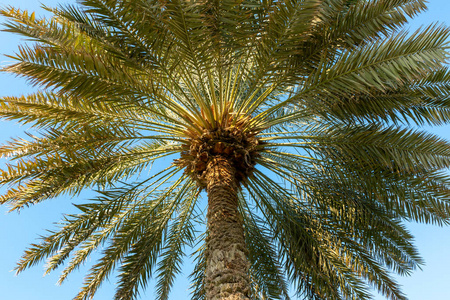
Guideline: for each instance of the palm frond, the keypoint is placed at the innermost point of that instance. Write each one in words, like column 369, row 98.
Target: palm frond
column 315, row 104
column 180, row 234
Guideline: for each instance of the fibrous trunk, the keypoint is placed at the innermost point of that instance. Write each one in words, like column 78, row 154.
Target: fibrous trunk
column 226, row 275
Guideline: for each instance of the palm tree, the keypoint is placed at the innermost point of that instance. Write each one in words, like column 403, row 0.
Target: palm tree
column 299, row 119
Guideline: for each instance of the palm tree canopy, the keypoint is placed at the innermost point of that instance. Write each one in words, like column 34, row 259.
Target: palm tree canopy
column 316, row 104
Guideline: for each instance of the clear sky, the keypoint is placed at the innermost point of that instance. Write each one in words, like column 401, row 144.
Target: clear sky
column 19, row 230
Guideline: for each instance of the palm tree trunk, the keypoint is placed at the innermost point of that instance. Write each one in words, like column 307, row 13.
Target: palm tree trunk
column 226, row 275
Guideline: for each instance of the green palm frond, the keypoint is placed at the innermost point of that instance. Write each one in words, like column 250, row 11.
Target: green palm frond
column 197, row 275
column 266, row 270
column 181, row 234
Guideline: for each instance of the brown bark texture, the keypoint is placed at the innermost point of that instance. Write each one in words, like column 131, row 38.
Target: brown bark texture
column 226, row 276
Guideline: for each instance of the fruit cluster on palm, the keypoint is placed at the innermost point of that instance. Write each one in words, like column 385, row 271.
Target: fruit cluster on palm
column 299, row 119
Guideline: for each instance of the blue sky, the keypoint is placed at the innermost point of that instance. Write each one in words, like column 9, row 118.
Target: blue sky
column 19, row 230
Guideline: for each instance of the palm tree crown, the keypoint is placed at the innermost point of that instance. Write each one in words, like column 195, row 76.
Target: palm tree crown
column 299, row 119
